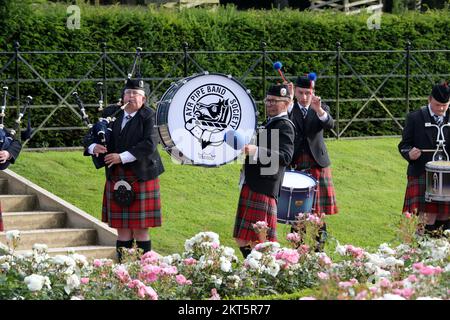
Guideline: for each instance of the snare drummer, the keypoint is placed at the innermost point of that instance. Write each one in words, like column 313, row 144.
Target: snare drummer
column 132, row 162
column 264, row 168
column 311, row 117
column 417, row 137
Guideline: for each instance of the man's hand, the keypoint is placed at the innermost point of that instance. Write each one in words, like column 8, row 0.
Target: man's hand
column 98, row 149
column 291, row 90
column 316, row 105
column 249, row 149
column 4, row 155
column 414, row 153
column 112, row 158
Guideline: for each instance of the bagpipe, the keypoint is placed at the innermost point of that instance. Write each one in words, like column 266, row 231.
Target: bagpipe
column 6, row 138
column 100, row 132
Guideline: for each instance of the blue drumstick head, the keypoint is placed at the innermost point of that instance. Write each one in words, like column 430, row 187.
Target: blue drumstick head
column 312, row 76
column 234, row 139
column 277, row 65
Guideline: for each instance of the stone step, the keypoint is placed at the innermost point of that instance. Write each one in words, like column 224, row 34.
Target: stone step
column 16, row 202
column 31, row 220
column 90, row 252
column 3, row 186
column 55, row 238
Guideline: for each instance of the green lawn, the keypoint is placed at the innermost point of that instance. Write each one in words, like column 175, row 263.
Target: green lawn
column 369, row 177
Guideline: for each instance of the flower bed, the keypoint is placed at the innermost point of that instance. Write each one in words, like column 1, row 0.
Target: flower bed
column 207, row 270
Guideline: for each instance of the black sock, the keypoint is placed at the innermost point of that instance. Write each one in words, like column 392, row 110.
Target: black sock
column 122, row 244
column 447, row 225
column 146, row 246
column 245, row 251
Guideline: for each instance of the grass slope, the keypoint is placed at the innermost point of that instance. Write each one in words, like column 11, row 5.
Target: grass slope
column 369, row 177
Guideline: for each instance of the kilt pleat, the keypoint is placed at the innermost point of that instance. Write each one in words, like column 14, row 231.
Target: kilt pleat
column 254, row 207
column 415, row 199
column 144, row 211
column 325, row 193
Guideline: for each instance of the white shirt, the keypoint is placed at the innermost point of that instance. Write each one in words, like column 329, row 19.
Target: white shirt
column 433, row 114
column 125, row 156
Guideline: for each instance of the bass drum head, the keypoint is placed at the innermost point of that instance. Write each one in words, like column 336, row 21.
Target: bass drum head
column 195, row 113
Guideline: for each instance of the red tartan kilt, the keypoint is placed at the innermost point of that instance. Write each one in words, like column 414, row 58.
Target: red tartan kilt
column 254, row 207
column 325, row 193
column 415, row 199
column 144, row 211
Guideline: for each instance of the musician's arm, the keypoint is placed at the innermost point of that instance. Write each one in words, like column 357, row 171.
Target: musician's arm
column 14, row 149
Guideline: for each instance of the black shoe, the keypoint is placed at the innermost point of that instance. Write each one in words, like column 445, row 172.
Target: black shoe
column 245, row 251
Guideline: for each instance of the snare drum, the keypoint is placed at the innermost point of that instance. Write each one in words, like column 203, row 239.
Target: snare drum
column 298, row 192
column 437, row 181
column 195, row 113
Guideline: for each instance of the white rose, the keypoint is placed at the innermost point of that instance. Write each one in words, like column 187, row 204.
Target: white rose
column 340, row 250
column 5, row 266
column 35, row 282
column 384, row 248
column 227, row 251
column 273, row 269
column 255, row 255
column 225, row 265
column 12, row 235
column 252, row 263
column 391, row 262
column 72, row 282
column 40, row 247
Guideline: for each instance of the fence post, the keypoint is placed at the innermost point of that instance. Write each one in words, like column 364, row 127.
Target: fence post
column 16, row 57
column 408, row 73
column 263, row 75
column 338, row 60
column 185, row 48
column 105, row 86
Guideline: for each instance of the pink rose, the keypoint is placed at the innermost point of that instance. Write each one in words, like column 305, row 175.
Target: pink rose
column 97, row 263
column 181, row 280
column 84, row 280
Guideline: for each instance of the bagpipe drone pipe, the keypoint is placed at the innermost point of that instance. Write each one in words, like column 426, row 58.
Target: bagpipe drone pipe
column 7, row 137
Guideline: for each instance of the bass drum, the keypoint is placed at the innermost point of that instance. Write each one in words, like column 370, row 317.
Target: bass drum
column 195, row 113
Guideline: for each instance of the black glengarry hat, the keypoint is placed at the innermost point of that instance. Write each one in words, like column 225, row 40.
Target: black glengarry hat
column 306, row 81
column 441, row 92
column 137, row 84
column 279, row 90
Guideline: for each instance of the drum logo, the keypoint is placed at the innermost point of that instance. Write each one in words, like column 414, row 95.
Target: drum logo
column 208, row 111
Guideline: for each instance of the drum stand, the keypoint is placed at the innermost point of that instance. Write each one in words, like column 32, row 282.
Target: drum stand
column 440, row 142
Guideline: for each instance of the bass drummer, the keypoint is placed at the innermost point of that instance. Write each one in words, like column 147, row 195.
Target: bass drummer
column 131, row 199
column 311, row 117
column 264, row 168
column 416, row 138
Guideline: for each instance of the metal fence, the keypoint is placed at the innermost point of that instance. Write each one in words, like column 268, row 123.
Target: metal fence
column 417, row 69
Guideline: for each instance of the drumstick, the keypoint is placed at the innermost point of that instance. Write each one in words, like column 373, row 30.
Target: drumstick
column 422, row 150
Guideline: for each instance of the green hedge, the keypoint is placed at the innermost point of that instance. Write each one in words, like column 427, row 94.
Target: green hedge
column 43, row 27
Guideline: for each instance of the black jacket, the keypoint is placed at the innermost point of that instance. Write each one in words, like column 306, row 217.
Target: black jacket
column 415, row 134
column 139, row 137
column 14, row 149
column 261, row 177
column 310, row 134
